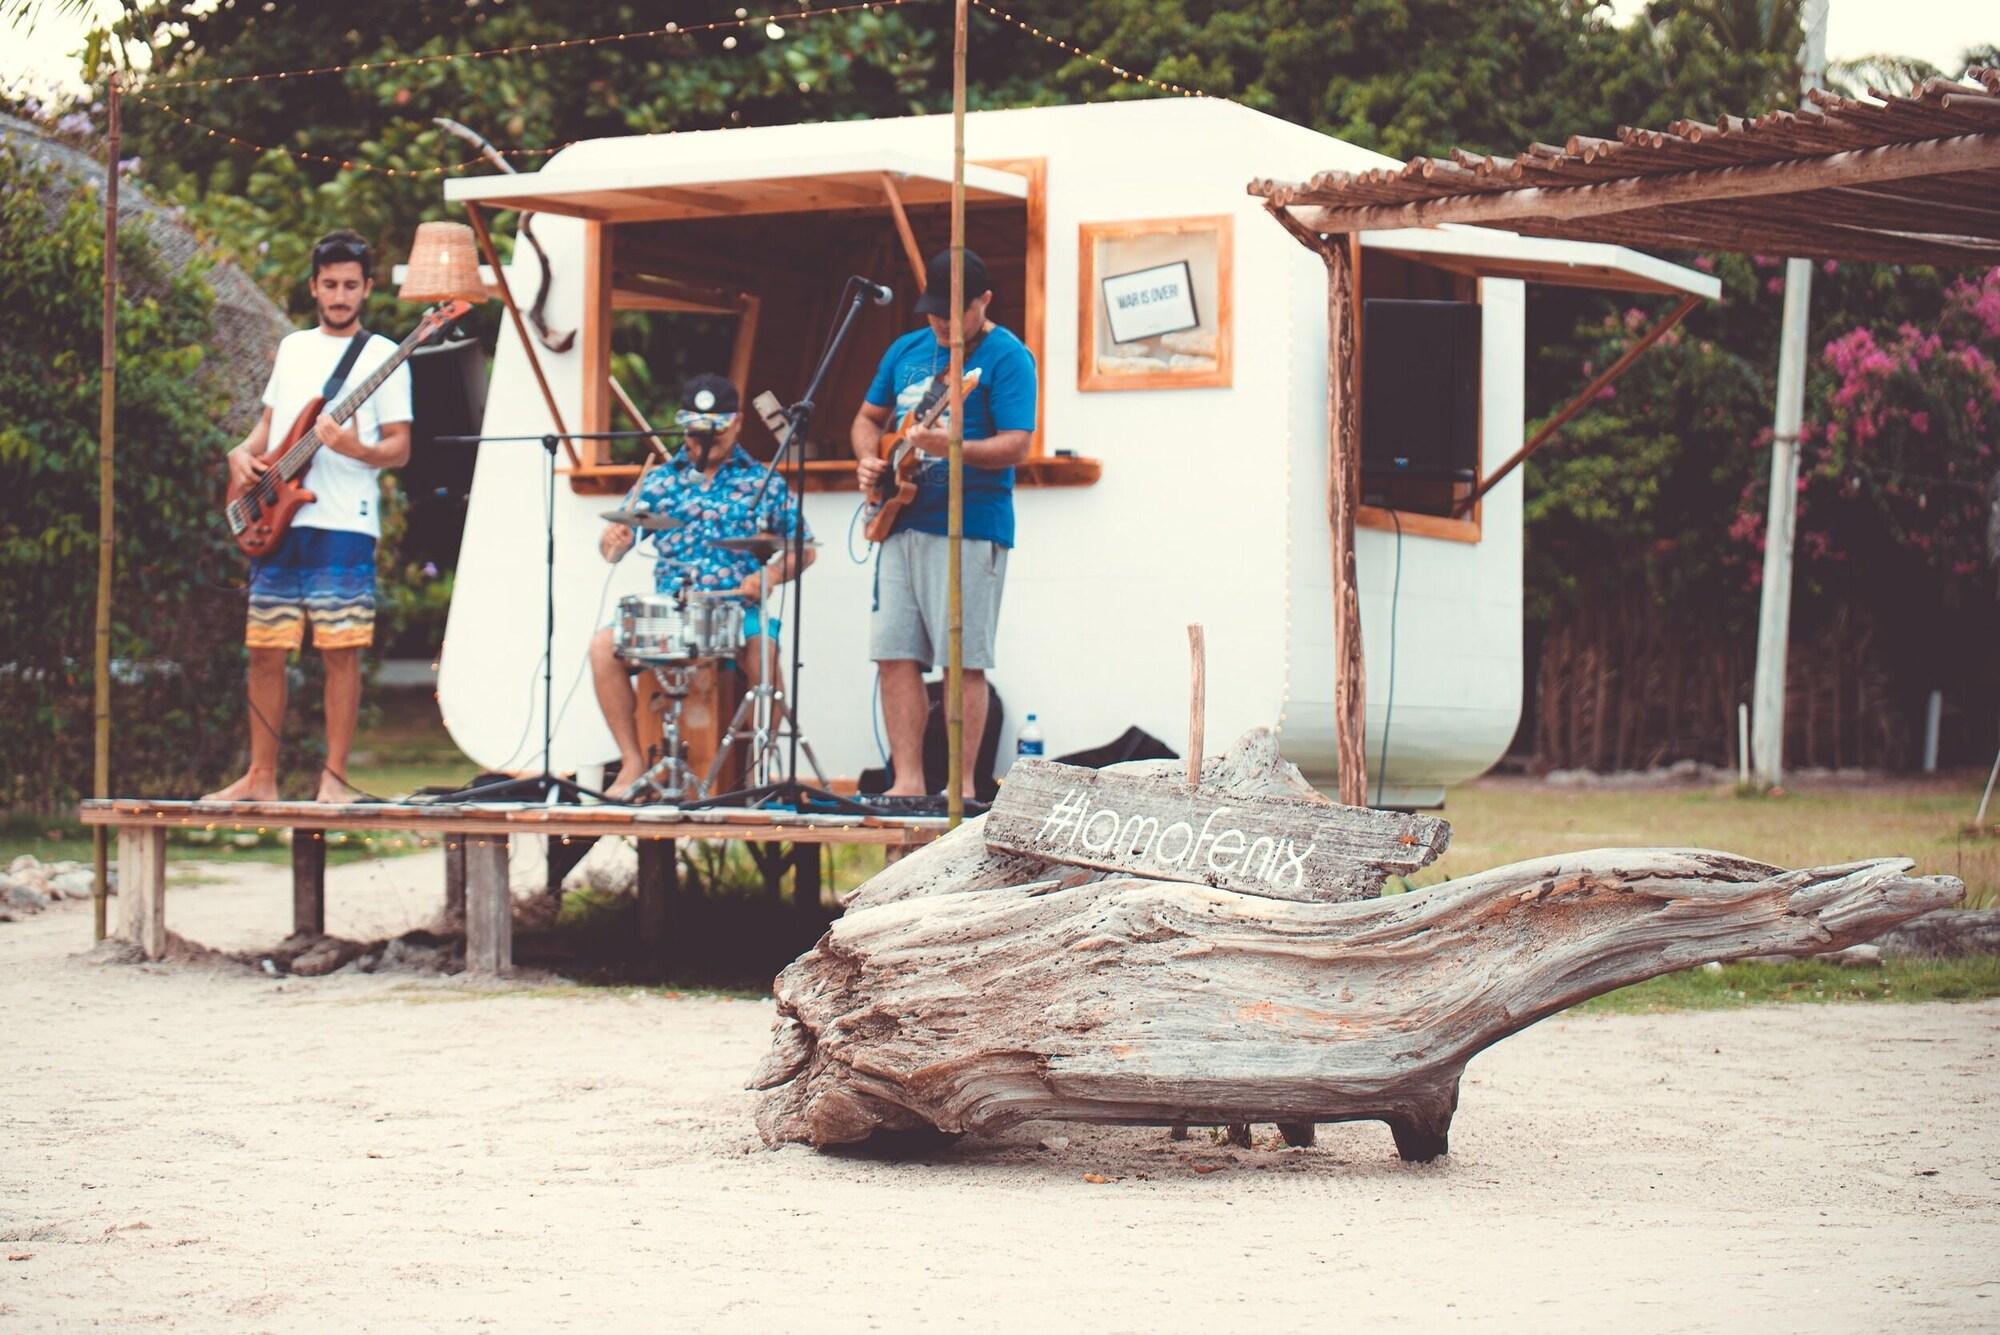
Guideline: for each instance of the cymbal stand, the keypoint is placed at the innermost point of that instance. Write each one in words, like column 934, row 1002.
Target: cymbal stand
column 757, row 718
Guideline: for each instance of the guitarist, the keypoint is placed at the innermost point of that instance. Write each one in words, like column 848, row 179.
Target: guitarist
column 323, row 570
column 907, row 630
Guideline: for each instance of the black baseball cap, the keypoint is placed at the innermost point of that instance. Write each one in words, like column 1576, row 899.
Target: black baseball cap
column 709, row 393
column 936, row 299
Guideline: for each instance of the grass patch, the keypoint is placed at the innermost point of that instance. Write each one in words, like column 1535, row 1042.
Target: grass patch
column 1497, row 821
column 1810, row 981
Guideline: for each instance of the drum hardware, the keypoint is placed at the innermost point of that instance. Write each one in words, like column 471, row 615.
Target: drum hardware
column 645, row 519
column 763, row 546
column 671, row 777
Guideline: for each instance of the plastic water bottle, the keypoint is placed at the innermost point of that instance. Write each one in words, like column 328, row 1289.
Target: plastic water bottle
column 1028, row 742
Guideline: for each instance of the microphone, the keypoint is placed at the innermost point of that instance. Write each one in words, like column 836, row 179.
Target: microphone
column 880, row 294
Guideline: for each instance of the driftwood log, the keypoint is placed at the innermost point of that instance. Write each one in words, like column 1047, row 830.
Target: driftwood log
column 1033, row 991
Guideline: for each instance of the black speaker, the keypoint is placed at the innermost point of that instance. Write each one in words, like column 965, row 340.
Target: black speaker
column 1420, row 390
column 447, row 398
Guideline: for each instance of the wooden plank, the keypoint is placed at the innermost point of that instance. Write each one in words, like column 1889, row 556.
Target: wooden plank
column 744, row 347
column 1890, row 162
column 489, row 908
column 308, row 883
column 142, row 889
column 1156, row 826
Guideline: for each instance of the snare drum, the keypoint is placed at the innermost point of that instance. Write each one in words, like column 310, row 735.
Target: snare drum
column 715, row 625
column 654, row 629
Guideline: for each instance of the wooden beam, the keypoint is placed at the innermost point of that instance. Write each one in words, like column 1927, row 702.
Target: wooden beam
column 308, row 883
column 594, row 341
column 657, row 446
column 745, row 346
column 1891, row 162
column 521, row 329
column 908, row 237
column 1343, row 493
column 1576, row 405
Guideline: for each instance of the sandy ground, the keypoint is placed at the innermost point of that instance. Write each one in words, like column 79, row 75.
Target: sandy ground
column 189, row 1149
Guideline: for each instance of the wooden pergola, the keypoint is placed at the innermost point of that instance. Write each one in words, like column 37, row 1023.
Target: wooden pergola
column 1897, row 180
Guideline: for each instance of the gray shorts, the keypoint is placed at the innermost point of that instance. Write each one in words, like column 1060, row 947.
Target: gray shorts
column 909, row 620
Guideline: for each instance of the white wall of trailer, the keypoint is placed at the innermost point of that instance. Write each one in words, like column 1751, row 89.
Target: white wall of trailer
column 1211, row 507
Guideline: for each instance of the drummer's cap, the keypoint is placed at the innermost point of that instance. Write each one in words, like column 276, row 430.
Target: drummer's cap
column 709, row 394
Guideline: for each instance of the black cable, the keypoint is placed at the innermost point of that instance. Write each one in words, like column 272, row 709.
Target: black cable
column 1389, row 702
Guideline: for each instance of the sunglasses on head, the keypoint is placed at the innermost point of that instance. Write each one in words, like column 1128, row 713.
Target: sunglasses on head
column 337, row 251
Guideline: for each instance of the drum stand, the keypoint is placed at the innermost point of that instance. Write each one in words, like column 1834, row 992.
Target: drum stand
column 757, row 719
column 671, row 776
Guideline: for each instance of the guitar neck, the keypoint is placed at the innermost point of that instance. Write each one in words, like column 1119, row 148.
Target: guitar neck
column 300, row 455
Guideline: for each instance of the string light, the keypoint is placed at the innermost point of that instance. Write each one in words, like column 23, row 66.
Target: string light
column 1080, row 53
column 330, row 160
column 742, row 20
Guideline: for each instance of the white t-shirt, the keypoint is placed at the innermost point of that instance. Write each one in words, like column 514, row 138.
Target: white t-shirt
column 349, row 496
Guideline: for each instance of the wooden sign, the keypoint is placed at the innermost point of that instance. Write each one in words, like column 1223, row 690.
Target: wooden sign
column 1155, row 825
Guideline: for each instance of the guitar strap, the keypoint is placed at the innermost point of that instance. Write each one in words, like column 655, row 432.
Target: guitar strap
column 338, row 380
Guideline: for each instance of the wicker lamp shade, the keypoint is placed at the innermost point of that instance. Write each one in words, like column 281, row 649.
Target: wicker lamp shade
column 443, row 265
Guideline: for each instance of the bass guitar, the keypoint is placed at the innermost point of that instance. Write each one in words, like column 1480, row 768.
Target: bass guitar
column 897, row 486
column 260, row 512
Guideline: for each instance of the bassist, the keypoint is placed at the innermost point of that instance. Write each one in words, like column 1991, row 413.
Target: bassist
column 323, row 570
column 907, row 629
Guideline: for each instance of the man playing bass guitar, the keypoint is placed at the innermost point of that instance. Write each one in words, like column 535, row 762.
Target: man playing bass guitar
column 323, row 569
column 908, row 627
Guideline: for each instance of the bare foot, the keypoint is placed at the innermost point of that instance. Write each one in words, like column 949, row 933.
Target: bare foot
column 629, row 773
column 255, row 786
column 333, row 789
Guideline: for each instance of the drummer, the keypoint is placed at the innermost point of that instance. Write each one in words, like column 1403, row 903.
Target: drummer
column 710, row 486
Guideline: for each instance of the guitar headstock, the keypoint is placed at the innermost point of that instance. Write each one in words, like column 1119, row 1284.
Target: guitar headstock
column 441, row 317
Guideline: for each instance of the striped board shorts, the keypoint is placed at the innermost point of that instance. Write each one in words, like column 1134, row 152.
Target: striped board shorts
column 319, row 575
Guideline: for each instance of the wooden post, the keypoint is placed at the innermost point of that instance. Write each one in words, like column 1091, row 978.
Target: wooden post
column 903, row 232
column 308, row 883
column 806, row 877
column 594, row 341
column 1343, row 494
column 489, row 908
column 454, row 880
column 107, row 401
column 659, row 884
column 954, row 671
column 1197, row 702
column 142, row 888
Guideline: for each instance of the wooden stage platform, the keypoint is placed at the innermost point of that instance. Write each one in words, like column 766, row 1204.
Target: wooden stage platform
column 476, row 838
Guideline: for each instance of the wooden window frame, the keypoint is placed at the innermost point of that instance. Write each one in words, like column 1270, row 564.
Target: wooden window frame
column 1088, row 377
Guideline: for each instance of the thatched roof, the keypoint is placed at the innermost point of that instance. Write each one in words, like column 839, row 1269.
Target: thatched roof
column 246, row 324
column 1908, row 180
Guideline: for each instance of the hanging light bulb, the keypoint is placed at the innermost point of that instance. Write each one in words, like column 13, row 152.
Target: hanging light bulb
column 773, row 31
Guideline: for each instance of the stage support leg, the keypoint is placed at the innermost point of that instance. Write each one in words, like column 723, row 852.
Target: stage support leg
column 308, row 883
column 659, row 885
column 454, row 880
column 142, row 888
column 806, row 877
column 489, row 909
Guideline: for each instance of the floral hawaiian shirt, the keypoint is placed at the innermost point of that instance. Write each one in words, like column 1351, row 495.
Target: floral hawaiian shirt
column 725, row 506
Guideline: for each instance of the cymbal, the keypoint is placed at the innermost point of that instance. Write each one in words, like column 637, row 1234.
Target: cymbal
column 642, row 519
column 759, row 544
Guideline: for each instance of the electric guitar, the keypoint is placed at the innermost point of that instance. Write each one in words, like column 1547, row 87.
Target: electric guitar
column 897, row 486
column 260, row 512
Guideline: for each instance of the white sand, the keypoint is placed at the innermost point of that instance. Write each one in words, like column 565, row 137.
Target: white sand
column 187, row 1149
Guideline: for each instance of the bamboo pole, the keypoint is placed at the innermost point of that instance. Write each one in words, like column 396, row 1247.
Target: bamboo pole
column 1197, row 702
column 100, row 779
column 954, row 671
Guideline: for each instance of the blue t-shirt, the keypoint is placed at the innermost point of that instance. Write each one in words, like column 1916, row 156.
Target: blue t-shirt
column 1004, row 401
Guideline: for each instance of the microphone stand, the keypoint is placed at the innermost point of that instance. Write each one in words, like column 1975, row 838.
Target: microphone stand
column 789, row 792
column 547, row 787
